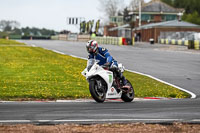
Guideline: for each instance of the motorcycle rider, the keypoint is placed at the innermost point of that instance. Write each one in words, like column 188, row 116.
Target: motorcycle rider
column 103, row 56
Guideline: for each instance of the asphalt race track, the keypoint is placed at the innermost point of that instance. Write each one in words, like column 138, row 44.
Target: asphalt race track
column 180, row 68
column 158, row 111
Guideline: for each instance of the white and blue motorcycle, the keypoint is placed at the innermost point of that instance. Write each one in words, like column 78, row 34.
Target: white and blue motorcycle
column 105, row 84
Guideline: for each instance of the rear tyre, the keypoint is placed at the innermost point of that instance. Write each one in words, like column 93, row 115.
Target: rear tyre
column 98, row 94
column 129, row 95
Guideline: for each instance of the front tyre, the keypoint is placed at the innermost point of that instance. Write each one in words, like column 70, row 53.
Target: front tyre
column 128, row 95
column 98, row 94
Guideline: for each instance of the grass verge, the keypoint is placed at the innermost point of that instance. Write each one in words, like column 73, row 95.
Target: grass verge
column 31, row 73
column 9, row 42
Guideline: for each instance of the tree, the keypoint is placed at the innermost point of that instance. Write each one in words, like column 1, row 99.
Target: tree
column 111, row 7
column 193, row 18
column 134, row 4
column 191, row 7
column 6, row 25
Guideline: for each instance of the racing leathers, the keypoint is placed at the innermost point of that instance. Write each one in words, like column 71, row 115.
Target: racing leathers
column 104, row 58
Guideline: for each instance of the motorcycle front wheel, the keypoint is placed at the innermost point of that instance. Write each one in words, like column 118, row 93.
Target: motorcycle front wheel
column 98, row 94
column 129, row 95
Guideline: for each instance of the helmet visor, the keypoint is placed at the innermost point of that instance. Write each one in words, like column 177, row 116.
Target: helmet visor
column 91, row 49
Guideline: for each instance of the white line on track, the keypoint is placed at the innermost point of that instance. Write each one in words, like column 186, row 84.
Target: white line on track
column 78, row 57
column 95, row 120
column 191, row 93
column 58, row 52
column 196, row 120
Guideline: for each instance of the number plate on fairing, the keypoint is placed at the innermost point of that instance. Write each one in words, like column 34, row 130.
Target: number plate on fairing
column 112, row 93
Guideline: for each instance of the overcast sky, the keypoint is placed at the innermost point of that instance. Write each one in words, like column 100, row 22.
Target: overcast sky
column 51, row 14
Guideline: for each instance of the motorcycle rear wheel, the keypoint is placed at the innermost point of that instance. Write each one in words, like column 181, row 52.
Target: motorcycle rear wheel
column 98, row 94
column 128, row 96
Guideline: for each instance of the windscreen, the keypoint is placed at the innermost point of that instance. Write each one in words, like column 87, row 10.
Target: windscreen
column 90, row 63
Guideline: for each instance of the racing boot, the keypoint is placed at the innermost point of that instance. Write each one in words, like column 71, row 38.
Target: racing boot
column 124, row 81
column 125, row 86
column 122, row 78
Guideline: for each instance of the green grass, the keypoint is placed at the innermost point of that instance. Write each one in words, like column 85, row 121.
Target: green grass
column 31, row 73
column 10, row 42
column 148, row 87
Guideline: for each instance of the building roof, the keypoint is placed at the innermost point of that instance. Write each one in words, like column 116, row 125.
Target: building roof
column 160, row 7
column 173, row 23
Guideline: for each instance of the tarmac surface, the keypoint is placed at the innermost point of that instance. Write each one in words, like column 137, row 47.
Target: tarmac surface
column 174, row 64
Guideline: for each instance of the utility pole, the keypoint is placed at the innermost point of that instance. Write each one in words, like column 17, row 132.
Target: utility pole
column 140, row 13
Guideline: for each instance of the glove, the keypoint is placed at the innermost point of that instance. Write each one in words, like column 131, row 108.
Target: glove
column 106, row 65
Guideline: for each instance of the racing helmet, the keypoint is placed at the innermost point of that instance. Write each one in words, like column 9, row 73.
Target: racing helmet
column 92, row 46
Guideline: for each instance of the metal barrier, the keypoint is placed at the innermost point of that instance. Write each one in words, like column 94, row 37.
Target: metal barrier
column 197, row 44
column 173, row 41
column 180, row 42
column 111, row 40
column 186, row 42
column 189, row 39
column 162, row 41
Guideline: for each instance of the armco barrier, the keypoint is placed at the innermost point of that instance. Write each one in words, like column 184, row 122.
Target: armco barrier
column 133, row 41
column 120, row 41
column 180, row 42
column 113, row 40
column 166, row 41
column 108, row 40
column 196, row 44
column 162, row 41
column 186, row 42
column 191, row 44
column 173, row 41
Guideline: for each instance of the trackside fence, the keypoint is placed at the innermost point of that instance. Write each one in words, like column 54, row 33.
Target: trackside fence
column 189, row 39
column 113, row 40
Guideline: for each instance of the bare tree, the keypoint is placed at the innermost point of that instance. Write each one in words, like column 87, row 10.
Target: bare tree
column 134, row 4
column 110, row 7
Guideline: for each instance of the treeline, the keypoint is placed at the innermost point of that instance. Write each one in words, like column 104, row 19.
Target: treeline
column 11, row 29
column 192, row 9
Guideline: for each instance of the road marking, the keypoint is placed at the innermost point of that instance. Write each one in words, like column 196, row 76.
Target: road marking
column 100, row 120
column 92, row 120
column 59, row 52
column 78, row 57
column 15, row 121
column 196, row 120
column 191, row 93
